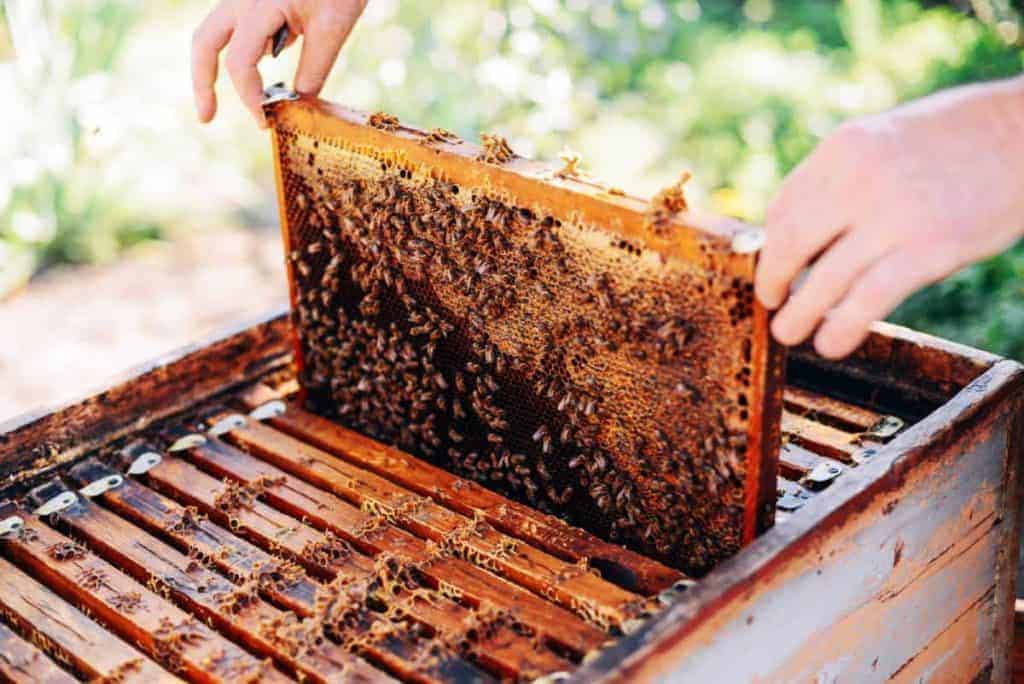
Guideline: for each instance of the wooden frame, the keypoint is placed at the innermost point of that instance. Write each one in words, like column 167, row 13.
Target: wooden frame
column 825, row 593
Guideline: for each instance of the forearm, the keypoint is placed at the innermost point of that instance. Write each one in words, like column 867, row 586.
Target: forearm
column 1015, row 95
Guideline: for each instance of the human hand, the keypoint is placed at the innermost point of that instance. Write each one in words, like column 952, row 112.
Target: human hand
column 892, row 203
column 248, row 26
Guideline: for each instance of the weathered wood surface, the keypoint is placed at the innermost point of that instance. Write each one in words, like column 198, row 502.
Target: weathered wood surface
column 820, row 438
column 826, row 409
column 895, row 368
column 68, row 634
column 667, row 641
column 1012, row 498
column 504, row 652
column 127, row 608
column 41, row 440
column 903, row 560
column 1017, row 654
column 325, row 511
column 24, row 663
column 192, row 586
column 796, row 461
column 248, row 565
column 633, row 571
column 582, row 592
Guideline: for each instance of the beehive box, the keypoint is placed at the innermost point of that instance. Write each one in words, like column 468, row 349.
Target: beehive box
column 893, row 554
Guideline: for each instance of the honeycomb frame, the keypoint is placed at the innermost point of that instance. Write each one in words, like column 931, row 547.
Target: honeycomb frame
column 592, row 354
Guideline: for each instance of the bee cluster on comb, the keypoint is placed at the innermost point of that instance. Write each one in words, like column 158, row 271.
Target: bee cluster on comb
column 530, row 331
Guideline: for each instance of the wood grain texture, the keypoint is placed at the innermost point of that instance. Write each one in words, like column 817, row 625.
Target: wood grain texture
column 1009, row 507
column 581, row 592
column 246, row 565
column 631, row 570
column 1017, row 652
column 829, row 410
column 755, row 571
column 194, row 588
column 69, row 635
column 820, row 438
column 500, row 649
column 899, row 370
column 325, row 511
column 961, row 649
column 24, row 663
column 530, row 182
column 41, row 440
column 796, row 461
column 127, row 608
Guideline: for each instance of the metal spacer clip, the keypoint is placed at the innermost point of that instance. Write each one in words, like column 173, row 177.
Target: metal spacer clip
column 633, row 625
column 668, row 596
column 226, row 424
column 271, row 409
column 886, row 427
column 144, row 463
column 64, row 500
column 822, row 474
column 864, row 455
column 551, row 678
column 789, row 502
column 11, row 526
column 104, row 484
column 278, row 92
column 187, row 442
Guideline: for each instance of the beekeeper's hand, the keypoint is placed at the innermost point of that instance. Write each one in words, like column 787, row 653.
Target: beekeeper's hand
column 890, row 203
column 246, row 28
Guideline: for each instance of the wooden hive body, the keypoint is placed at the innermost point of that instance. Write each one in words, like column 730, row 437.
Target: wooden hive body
column 902, row 567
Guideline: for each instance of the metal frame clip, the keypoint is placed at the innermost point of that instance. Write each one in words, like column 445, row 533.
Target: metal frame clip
column 104, row 484
column 62, row 501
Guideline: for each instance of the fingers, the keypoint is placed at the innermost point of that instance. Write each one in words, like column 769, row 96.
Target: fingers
column 797, row 228
column 880, row 290
column 829, row 279
column 248, row 45
column 325, row 34
column 208, row 40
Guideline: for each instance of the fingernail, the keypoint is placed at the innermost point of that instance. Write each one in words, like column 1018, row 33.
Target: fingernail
column 780, row 333
column 826, row 347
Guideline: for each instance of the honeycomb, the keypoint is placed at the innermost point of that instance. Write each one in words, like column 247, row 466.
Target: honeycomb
column 597, row 357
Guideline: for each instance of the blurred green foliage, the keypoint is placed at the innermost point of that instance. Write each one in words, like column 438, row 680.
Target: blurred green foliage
column 54, row 204
column 737, row 91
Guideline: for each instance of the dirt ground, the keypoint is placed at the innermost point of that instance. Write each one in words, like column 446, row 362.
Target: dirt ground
column 74, row 328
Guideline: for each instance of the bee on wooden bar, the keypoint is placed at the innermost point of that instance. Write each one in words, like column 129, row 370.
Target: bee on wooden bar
column 383, row 121
column 494, row 149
